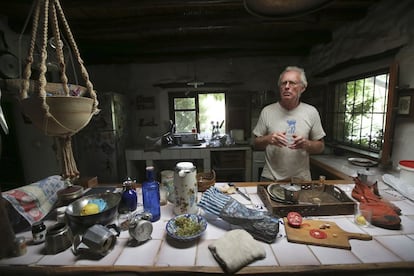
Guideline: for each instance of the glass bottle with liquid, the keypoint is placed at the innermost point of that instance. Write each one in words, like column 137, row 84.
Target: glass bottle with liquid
column 151, row 194
column 290, row 131
column 129, row 199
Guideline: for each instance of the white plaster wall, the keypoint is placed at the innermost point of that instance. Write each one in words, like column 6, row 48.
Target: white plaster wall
column 404, row 130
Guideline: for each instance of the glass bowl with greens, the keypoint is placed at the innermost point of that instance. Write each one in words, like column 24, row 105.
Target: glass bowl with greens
column 186, row 227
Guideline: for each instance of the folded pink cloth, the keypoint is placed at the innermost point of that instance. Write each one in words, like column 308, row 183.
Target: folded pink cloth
column 33, row 202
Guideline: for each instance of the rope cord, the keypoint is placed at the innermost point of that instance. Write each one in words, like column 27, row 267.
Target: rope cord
column 43, row 57
column 72, row 42
column 53, row 9
column 59, row 49
column 29, row 60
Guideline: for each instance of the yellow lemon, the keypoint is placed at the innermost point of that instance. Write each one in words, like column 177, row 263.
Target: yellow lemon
column 90, row 209
column 361, row 220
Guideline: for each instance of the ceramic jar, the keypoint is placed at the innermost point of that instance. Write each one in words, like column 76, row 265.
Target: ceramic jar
column 185, row 188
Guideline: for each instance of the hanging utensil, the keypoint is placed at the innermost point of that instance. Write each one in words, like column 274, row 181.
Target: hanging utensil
column 3, row 122
column 222, row 122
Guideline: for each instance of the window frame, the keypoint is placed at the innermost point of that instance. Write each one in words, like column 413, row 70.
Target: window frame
column 181, row 94
column 172, row 95
column 384, row 153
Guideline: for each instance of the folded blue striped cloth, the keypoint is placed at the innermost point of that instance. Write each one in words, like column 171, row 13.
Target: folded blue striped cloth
column 258, row 223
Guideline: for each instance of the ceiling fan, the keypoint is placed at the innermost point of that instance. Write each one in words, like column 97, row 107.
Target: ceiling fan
column 197, row 84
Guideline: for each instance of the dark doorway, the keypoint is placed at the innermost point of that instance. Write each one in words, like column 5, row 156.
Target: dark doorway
column 11, row 169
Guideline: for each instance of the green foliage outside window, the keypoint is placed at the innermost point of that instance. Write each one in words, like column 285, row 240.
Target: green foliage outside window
column 207, row 107
column 360, row 112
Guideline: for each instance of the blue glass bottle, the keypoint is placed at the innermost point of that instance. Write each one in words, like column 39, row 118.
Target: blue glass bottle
column 151, row 195
column 129, row 199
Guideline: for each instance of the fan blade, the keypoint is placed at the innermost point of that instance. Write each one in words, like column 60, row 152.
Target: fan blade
column 196, row 84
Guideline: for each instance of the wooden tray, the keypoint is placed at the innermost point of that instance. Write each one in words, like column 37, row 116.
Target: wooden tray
column 331, row 201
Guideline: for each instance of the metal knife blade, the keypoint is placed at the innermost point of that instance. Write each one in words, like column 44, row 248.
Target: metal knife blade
column 240, row 192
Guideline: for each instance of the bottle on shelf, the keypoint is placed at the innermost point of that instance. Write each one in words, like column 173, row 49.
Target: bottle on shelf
column 151, row 194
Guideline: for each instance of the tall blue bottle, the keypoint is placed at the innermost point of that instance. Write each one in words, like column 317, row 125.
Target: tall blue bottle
column 151, row 194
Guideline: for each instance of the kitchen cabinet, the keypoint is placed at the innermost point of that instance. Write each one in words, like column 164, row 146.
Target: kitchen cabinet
column 238, row 111
column 317, row 168
column 231, row 165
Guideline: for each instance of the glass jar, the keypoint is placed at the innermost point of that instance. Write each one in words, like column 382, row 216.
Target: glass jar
column 38, row 232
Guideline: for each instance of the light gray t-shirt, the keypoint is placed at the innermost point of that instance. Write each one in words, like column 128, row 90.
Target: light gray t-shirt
column 282, row 162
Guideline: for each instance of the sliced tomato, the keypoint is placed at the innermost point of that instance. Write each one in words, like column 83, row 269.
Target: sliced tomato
column 318, row 234
column 294, row 219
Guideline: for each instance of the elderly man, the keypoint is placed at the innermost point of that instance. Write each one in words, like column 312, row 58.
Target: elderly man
column 289, row 130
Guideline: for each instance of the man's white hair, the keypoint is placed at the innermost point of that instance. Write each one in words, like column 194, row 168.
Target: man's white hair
column 301, row 72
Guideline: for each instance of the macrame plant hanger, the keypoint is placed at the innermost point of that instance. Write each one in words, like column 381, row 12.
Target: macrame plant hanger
column 59, row 115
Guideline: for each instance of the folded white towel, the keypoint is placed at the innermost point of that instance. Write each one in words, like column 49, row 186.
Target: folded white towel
column 400, row 185
column 236, row 249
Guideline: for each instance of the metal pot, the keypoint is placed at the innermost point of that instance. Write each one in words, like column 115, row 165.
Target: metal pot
column 291, row 192
column 58, row 238
column 367, row 177
column 99, row 239
column 69, row 194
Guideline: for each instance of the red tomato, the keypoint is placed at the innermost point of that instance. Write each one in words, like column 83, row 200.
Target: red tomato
column 318, row 234
column 294, row 219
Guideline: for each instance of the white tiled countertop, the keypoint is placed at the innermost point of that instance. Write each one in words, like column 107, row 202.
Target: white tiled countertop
column 341, row 163
column 388, row 251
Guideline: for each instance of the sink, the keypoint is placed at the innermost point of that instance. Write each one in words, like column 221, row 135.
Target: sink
column 189, row 146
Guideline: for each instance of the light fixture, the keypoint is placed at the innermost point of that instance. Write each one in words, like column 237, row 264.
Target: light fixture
column 194, row 82
column 283, row 8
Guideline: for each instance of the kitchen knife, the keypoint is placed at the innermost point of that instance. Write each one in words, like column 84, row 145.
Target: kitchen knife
column 240, row 192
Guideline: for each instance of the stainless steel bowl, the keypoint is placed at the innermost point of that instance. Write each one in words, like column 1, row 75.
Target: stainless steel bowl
column 80, row 223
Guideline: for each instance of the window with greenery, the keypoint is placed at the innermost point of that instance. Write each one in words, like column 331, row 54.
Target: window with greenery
column 359, row 112
column 197, row 110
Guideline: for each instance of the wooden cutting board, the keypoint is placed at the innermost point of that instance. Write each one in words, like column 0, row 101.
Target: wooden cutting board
column 323, row 233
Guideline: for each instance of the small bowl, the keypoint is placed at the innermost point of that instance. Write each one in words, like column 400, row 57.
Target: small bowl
column 172, row 227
